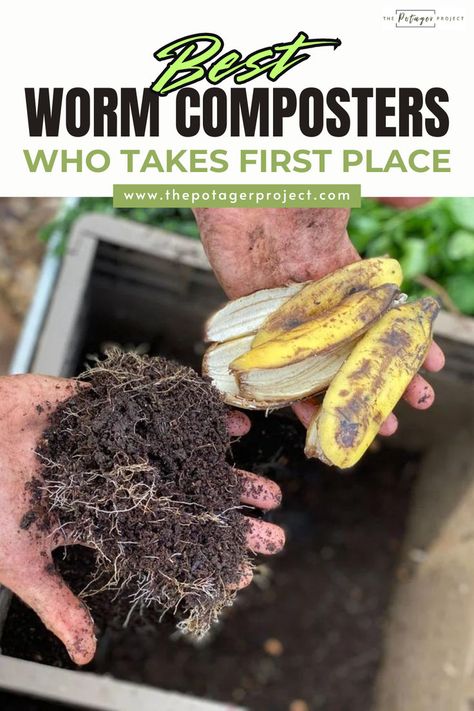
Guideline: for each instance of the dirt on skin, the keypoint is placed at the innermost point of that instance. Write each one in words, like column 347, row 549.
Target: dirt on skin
column 134, row 466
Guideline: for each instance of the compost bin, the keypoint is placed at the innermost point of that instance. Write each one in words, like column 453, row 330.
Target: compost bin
column 309, row 633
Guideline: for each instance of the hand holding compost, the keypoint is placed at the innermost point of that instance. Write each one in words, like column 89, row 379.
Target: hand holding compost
column 133, row 465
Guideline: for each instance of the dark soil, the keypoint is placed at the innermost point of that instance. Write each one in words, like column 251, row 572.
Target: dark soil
column 135, row 467
column 310, row 627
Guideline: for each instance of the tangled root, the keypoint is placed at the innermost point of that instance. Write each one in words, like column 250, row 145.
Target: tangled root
column 134, row 466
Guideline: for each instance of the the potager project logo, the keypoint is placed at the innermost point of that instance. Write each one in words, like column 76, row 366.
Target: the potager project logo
column 422, row 19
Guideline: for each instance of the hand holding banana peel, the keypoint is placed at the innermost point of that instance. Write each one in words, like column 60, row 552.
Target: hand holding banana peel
column 349, row 334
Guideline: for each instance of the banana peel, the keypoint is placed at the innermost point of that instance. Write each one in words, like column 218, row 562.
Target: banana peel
column 350, row 334
column 247, row 314
column 271, row 388
column 215, row 366
column 370, row 383
column 316, row 298
column 292, row 382
column 322, row 334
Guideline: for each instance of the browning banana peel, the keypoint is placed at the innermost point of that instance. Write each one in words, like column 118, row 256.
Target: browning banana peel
column 338, row 326
column 370, row 383
column 318, row 297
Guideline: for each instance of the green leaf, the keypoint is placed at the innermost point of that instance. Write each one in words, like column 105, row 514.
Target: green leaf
column 414, row 259
column 460, row 287
column 461, row 245
column 462, row 210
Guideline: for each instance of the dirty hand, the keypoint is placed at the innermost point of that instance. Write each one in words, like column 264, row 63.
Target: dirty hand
column 26, row 564
column 256, row 248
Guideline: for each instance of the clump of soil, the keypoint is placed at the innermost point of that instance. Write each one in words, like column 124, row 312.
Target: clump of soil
column 134, row 466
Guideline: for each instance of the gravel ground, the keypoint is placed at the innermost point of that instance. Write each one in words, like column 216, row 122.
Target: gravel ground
column 20, row 257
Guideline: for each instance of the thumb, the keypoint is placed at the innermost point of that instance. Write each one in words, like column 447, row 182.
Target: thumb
column 60, row 611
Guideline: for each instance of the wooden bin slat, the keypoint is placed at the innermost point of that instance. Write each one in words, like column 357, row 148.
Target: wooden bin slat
column 91, row 691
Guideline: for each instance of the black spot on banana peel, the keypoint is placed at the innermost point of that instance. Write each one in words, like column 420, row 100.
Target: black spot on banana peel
column 371, row 382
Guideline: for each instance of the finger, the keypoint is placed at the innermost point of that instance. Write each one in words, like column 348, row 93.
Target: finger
column 238, row 424
column 419, row 394
column 305, row 410
column 257, row 491
column 435, row 358
column 244, row 580
column 389, row 427
column 263, row 537
column 404, row 202
column 60, row 611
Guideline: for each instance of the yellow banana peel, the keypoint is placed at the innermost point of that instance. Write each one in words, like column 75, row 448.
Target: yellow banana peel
column 317, row 297
column 370, row 383
column 322, row 334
